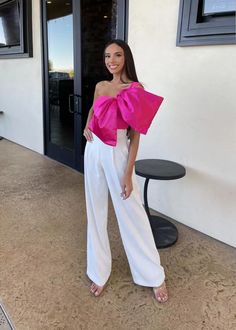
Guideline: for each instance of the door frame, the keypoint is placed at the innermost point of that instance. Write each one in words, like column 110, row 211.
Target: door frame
column 54, row 151
column 73, row 159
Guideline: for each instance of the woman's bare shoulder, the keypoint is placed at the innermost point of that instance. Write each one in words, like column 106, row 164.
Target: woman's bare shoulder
column 138, row 84
column 101, row 85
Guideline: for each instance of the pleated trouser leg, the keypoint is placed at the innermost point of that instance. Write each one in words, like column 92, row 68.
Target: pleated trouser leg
column 104, row 168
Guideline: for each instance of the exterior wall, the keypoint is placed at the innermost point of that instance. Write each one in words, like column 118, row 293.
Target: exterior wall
column 196, row 125
column 21, row 94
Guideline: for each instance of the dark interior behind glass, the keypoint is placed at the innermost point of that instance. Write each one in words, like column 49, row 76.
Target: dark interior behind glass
column 9, row 24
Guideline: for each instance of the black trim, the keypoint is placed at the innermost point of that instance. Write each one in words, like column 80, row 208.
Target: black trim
column 126, row 27
column 41, row 10
column 196, row 29
column 78, row 161
column 120, row 33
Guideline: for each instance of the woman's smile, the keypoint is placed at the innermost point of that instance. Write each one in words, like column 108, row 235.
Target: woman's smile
column 113, row 66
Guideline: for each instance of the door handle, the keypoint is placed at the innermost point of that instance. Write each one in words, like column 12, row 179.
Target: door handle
column 77, row 102
column 78, row 99
column 69, row 101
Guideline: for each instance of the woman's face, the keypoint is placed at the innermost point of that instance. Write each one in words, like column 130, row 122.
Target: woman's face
column 114, row 58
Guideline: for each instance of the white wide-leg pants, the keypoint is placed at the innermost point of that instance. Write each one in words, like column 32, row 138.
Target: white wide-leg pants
column 104, row 168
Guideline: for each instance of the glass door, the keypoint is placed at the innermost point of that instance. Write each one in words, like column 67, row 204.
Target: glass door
column 74, row 33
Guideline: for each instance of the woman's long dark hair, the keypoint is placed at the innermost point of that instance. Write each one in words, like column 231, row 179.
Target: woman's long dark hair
column 129, row 67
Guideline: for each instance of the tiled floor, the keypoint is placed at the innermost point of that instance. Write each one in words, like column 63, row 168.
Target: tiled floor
column 43, row 260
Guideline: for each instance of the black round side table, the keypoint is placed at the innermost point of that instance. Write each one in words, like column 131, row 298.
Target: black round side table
column 165, row 233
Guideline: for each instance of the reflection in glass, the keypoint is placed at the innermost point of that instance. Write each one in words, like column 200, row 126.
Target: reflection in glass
column 98, row 26
column 61, row 72
column 9, row 24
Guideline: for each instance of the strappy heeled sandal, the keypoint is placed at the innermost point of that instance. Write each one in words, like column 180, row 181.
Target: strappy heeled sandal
column 160, row 292
column 101, row 289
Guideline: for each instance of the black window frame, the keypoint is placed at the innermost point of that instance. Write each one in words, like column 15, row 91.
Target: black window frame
column 196, row 29
column 25, row 49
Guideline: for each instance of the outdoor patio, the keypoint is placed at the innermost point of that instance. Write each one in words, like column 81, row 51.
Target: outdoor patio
column 43, row 261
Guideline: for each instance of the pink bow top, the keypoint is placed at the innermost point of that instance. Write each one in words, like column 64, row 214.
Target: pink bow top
column 132, row 107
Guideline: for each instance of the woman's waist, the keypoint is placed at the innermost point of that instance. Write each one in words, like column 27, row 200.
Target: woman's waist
column 121, row 124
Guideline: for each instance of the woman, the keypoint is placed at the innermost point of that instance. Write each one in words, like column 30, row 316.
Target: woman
column 119, row 105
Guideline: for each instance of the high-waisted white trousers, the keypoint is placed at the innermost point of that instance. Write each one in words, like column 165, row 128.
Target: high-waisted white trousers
column 104, row 168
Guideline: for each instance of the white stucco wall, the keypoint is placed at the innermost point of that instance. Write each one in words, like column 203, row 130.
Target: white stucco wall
column 196, row 125
column 21, row 94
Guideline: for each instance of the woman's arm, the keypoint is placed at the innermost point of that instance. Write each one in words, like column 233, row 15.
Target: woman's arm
column 87, row 133
column 127, row 185
column 134, row 136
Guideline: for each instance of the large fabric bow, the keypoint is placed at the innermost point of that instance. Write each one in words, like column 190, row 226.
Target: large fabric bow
column 136, row 106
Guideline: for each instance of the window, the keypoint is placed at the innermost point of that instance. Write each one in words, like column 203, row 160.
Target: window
column 15, row 28
column 205, row 22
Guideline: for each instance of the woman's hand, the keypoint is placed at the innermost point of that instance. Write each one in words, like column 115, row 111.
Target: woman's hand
column 127, row 186
column 88, row 134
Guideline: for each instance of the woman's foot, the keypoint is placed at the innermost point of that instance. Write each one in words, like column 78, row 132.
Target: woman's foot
column 161, row 293
column 96, row 290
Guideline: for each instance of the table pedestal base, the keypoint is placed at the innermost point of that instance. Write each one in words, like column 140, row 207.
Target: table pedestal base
column 165, row 233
